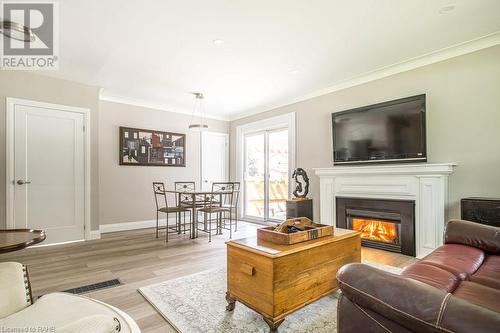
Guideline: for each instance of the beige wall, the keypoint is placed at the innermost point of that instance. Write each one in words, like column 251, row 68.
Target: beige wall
column 45, row 89
column 463, row 119
column 126, row 191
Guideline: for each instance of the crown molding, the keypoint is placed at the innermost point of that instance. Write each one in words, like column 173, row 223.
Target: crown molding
column 400, row 67
column 108, row 97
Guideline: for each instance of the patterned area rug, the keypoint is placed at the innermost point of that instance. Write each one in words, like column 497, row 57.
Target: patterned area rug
column 196, row 303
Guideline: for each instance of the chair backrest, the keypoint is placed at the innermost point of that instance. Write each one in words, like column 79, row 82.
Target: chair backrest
column 159, row 193
column 184, row 187
column 15, row 288
column 236, row 188
column 222, row 186
column 226, row 198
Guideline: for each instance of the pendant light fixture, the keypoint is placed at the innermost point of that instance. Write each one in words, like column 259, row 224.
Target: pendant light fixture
column 198, row 121
column 16, row 31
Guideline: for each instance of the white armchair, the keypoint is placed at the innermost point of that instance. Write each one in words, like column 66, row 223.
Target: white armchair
column 56, row 312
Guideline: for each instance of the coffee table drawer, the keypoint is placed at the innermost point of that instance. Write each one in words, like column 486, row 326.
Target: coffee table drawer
column 250, row 279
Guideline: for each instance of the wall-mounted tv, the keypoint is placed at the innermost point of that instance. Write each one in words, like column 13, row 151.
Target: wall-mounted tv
column 386, row 132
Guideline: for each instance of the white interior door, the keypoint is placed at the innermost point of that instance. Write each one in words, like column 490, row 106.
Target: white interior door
column 214, row 158
column 49, row 172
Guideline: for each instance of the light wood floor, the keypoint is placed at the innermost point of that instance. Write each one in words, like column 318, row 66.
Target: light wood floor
column 138, row 259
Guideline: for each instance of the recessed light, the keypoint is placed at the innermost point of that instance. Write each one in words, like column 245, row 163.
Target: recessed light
column 218, row 41
column 446, row 9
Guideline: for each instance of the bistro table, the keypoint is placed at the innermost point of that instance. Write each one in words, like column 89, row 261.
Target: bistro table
column 195, row 203
column 18, row 239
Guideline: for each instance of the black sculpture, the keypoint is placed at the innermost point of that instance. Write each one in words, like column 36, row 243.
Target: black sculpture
column 299, row 172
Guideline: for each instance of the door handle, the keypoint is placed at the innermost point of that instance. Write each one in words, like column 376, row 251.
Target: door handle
column 22, row 182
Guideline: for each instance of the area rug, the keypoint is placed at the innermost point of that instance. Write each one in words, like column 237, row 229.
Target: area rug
column 196, row 303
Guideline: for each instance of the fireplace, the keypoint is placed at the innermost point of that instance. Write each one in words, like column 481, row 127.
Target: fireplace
column 384, row 224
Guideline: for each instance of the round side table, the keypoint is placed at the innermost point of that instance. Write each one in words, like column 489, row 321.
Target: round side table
column 18, row 239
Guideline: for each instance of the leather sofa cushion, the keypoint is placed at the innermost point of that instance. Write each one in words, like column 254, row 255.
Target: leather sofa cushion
column 460, row 260
column 489, row 273
column 432, row 275
column 479, row 294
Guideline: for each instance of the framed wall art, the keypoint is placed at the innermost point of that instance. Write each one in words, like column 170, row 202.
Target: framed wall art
column 152, row 148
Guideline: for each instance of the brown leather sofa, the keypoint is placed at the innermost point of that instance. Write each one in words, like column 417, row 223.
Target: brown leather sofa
column 456, row 288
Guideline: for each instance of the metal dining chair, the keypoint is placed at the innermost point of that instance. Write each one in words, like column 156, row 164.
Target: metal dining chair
column 162, row 207
column 233, row 205
column 218, row 204
column 184, row 199
column 187, row 199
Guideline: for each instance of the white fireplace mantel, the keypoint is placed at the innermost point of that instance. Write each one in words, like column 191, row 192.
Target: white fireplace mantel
column 425, row 184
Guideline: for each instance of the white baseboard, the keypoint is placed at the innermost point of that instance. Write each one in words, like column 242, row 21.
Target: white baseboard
column 124, row 226
column 95, row 234
column 60, row 243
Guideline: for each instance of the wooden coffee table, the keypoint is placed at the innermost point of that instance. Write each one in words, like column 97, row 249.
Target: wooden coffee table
column 276, row 280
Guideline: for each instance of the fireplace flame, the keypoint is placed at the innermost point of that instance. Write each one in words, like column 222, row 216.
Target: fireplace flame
column 378, row 230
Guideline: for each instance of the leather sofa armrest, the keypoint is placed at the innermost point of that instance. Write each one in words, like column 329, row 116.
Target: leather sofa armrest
column 484, row 237
column 412, row 304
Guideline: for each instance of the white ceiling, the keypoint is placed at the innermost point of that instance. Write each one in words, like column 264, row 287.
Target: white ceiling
column 157, row 51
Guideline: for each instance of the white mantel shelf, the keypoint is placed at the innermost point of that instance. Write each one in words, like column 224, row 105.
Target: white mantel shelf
column 425, row 184
column 392, row 169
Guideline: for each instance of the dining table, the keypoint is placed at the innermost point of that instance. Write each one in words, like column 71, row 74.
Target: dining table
column 18, row 239
column 195, row 202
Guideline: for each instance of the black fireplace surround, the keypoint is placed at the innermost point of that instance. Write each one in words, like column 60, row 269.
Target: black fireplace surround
column 401, row 213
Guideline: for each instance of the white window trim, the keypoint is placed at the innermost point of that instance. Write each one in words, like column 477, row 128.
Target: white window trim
column 9, row 161
column 282, row 121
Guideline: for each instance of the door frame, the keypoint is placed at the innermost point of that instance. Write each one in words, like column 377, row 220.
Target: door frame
column 226, row 152
column 278, row 122
column 10, row 149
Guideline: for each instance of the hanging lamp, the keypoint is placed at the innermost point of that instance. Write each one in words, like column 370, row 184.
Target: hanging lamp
column 198, row 121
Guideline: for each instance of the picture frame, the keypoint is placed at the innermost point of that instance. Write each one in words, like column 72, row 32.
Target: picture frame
column 144, row 147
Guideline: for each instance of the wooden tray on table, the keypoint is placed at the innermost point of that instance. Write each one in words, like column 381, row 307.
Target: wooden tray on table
column 280, row 234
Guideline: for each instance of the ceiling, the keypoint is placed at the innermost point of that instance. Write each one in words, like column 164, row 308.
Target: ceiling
column 157, row 51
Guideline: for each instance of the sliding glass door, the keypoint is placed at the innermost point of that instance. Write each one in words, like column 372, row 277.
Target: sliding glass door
column 277, row 142
column 266, row 174
column 255, row 173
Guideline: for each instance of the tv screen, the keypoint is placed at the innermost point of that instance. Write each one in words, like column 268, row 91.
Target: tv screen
column 387, row 132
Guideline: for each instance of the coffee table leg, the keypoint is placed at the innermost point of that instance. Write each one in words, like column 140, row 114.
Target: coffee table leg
column 273, row 325
column 231, row 302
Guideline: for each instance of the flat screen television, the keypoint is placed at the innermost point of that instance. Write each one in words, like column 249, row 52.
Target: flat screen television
column 386, row 132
